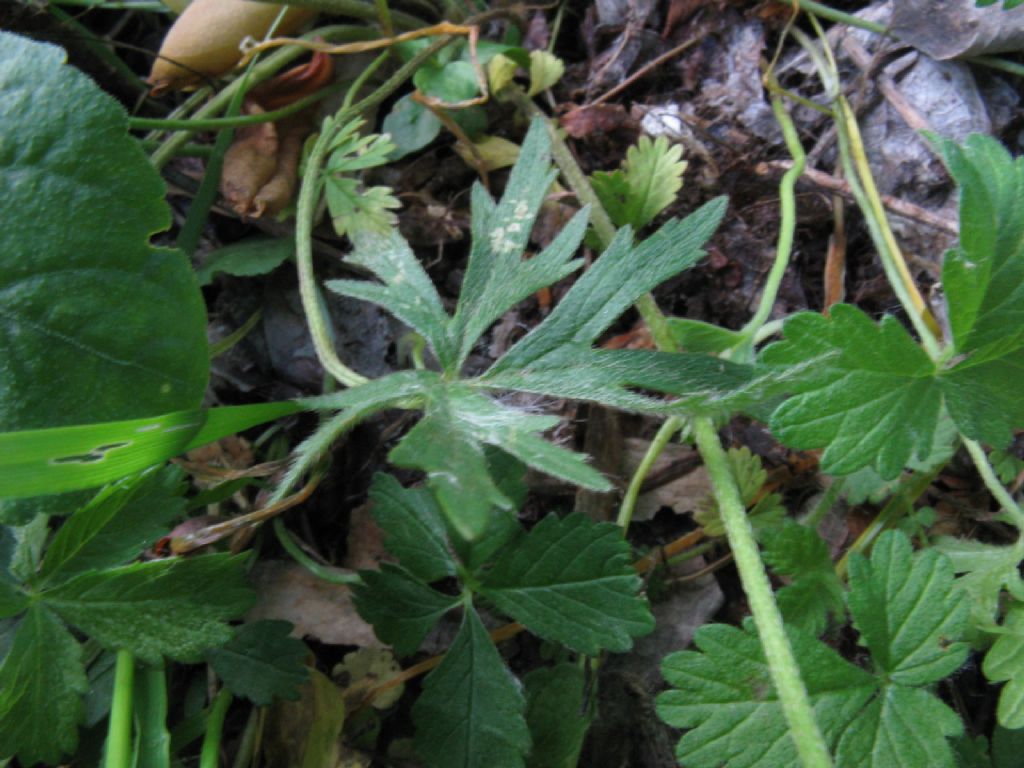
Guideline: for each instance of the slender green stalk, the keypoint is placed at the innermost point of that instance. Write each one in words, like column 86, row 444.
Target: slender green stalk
column 665, row 434
column 100, row 48
column 209, row 757
column 320, row 571
column 900, row 502
column 119, row 733
column 199, row 210
column 998, row 491
column 309, row 197
column 217, row 123
column 825, row 503
column 787, row 226
column 796, row 705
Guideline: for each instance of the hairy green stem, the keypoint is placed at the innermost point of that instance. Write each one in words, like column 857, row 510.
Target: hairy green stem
column 789, row 686
column 996, row 488
column 209, row 757
column 309, row 197
column 119, row 732
column 665, row 434
column 787, row 226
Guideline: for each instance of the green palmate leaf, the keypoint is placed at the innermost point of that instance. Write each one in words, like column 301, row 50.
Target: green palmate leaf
column 117, row 525
column 651, row 176
column 411, row 126
column 765, row 514
column 471, row 710
column 815, row 592
column 907, row 611
column 570, row 580
column 405, row 289
column 557, row 714
column 262, row 662
column 984, row 284
column 414, row 527
column 175, row 608
column 496, row 275
column 725, row 695
column 1005, row 661
column 401, row 608
column 870, row 398
column 41, row 683
column 42, row 461
column 911, row 620
column 95, row 324
column 617, row 279
column 12, row 600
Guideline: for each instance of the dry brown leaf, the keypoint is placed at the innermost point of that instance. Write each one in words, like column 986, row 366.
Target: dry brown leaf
column 681, row 495
column 250, row 162
column 319, row 609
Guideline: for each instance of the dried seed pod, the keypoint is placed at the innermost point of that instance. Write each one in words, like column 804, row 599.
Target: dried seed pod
column 205, row 39
column 249, row 163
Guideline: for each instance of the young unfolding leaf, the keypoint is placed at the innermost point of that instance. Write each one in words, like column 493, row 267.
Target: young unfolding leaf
column 401, row 608
column 356, row 209
column 871, row 398
column 42, row 679
column 987, row 570
column 815, row 592
column 911, row 620
column 570, row 580
column 261, row 662
column 471, row 710
column 175, row 608
column 766, row 511
column 648, row 182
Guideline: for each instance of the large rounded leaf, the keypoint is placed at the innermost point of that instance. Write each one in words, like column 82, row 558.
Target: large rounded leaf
column 95, row 324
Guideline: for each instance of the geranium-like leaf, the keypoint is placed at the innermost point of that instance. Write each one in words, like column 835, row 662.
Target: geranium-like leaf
column 175, row 608
column 1003, row 662
column 870, row 398
column 907, row 611
column 414, row 526
column 570, row 580
column 815, row 592
column 95, row 324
